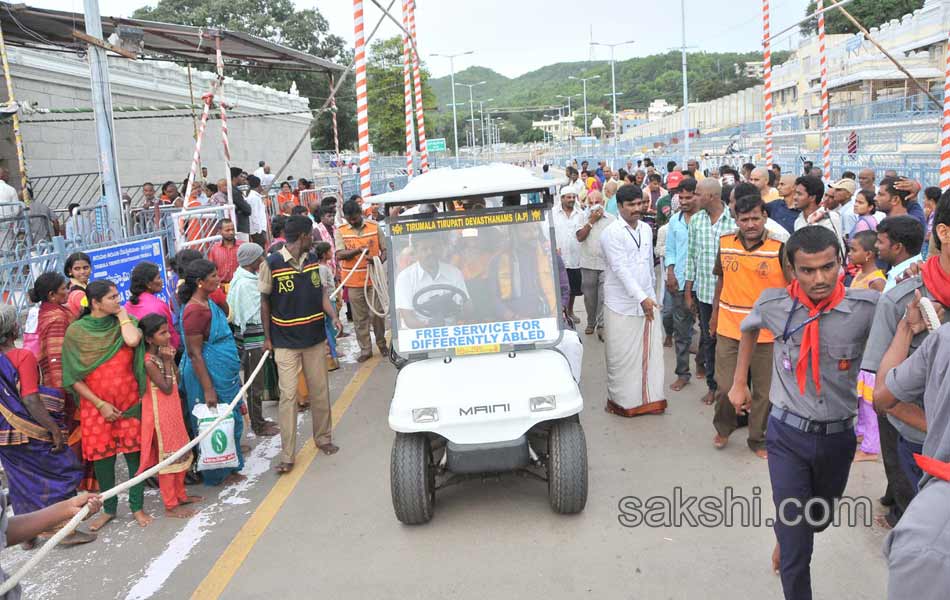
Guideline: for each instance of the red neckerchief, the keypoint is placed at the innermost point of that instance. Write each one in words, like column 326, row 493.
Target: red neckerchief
column 810, row 338
column 932, row 466
column 937, row 280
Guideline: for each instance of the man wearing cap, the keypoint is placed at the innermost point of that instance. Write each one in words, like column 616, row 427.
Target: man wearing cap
column 244, row 299
column 668, row 204
column 842, row 202
column 820, row 330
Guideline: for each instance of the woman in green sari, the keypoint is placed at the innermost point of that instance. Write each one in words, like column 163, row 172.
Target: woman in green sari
column 103, row 364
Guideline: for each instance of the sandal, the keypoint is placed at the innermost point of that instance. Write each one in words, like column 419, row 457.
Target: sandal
column 284, row 468
column 329, row 448
column 269, row 429
column 589, row 331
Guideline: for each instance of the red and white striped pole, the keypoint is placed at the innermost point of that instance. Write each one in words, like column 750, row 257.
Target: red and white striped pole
column 767, row 77
column 362, row 118
column 207, row 99
column 945, row 132
column 407, row 89
column 224, row 117
column 417, row 81
column 825, row 117
column 336, row 149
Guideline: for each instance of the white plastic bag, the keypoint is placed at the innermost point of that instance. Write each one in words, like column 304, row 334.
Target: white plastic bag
column 217, row 451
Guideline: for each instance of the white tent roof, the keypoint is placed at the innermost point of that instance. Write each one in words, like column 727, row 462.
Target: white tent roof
column 452, row 184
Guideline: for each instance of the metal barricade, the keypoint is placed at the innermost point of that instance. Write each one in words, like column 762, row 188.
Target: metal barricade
column 197, row 228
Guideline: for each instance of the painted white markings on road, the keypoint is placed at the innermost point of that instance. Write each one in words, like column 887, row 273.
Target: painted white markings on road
column 151, row 580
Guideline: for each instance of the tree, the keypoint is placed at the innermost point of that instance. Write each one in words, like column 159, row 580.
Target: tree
column 279, row 22
column 384, row 82
column 639, row 81
column 870, row 13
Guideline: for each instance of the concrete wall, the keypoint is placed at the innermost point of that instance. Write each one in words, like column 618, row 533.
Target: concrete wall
column 148, row 149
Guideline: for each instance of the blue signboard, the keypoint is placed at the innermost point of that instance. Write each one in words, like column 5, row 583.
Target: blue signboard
column 115, row 263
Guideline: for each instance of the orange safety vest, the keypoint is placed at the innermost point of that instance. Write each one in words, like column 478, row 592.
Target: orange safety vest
column 745, row 273
column 366, row 237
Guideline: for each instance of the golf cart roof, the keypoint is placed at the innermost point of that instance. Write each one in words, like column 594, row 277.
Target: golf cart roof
column 495, row 179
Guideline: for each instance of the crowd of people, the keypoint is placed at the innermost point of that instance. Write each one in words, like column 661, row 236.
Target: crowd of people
column 801, row 301
column 97, row 375
column 812, row 331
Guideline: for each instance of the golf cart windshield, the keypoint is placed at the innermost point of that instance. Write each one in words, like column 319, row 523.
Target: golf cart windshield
column 473, row 282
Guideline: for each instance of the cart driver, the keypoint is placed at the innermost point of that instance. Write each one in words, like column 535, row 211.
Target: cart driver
column 441, row 306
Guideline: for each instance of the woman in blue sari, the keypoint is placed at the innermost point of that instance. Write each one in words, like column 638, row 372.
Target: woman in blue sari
column 210, row 367
column 41, row 469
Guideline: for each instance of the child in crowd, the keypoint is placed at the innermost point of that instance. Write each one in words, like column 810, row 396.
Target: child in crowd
column 163, row 427
column 931, row 197
column 864, row 207
column 324, row 254
column 862, row 254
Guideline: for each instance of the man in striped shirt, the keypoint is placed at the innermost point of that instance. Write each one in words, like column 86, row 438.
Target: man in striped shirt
column 705, row 229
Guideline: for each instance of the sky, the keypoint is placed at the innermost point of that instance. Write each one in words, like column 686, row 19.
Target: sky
column 515, row 37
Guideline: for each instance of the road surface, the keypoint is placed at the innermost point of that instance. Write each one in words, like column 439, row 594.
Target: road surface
column 328, row 529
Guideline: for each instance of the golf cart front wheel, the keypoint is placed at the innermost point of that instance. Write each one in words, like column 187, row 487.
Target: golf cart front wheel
column 567, row 467
column 412, row 477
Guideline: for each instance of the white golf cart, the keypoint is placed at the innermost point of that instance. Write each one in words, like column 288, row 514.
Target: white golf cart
column 488, row 370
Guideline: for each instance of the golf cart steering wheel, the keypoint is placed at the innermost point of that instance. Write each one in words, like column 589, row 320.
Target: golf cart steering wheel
column 442, row 306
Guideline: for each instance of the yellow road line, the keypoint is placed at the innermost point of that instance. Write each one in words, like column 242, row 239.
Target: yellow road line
column 233, row 556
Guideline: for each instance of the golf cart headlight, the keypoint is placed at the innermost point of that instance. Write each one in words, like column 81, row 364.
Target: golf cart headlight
column 425, row 415
column 541, row 403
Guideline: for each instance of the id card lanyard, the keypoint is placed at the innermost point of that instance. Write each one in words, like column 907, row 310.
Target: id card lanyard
column 787, row 335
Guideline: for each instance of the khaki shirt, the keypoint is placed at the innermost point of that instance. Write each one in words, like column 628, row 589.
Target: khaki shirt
column 265, row 283
column 843, row 332
column 890, row 310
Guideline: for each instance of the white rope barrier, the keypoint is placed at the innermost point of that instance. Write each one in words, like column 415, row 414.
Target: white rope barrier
column 84, row 511
column 336, row 292
column 378, row 293
column 377, row 274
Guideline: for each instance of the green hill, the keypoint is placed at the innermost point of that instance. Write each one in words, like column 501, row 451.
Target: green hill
column 639, row 81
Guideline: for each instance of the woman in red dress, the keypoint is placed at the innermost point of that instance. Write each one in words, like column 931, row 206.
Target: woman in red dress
column 163, row 427
column 103, row 363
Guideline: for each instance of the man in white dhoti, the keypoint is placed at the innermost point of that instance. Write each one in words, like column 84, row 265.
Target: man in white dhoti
column 634, row 336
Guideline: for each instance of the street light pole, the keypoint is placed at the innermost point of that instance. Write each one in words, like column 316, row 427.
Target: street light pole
column 585, row 109
column 481, row 117
column 471, row 104
column 455, row 124
column 102, row 102
column 685, row 87
column 584, row 80
column 613, row 87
